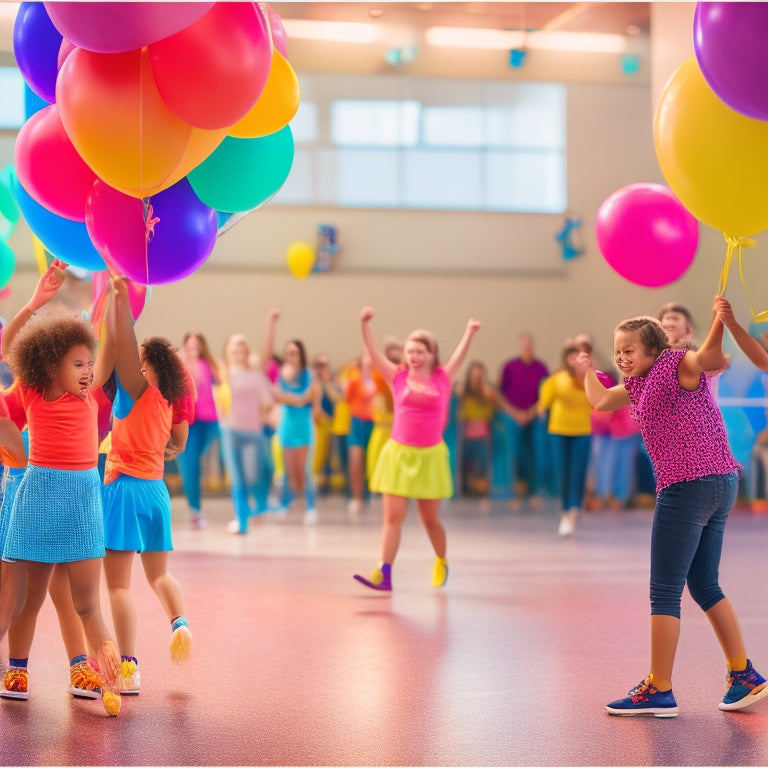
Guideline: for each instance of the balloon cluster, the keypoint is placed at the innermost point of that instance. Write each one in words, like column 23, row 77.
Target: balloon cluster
column 162, row 118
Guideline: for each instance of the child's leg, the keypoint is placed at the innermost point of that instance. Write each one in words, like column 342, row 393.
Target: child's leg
column 189, row 465
column 723, row 619
column 69, row 622
column 395, row 509
column 163, row 584
column 13, row 589
column 429, row 513
column 22, row 629
column 118, row 567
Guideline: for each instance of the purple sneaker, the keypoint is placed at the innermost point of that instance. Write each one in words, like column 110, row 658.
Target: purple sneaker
column 380, row 579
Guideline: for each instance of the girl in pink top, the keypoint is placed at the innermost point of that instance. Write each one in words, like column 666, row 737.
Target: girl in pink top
column 696, row 486
column 414, row 461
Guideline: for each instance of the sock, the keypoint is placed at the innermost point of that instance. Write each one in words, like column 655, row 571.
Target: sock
column 179, row 621
column 77, row 659
column 18, row 663
column 129, row 658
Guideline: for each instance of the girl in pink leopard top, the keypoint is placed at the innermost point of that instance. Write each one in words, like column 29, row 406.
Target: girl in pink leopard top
column 414, row 461
column 696, row 485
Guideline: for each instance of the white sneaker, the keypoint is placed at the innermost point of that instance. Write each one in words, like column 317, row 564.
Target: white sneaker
column 566, row 524
column 129, row 685
column 234, row 527
column 354, row 508
column 310, row 517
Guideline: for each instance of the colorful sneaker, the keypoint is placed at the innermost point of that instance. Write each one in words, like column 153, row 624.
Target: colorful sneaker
column 645, row 699
column 380, row 579
column 84, row 682
column 15, row 684
column 181, row 641
column 440, row 572
column 744, row 688
column 129, row 682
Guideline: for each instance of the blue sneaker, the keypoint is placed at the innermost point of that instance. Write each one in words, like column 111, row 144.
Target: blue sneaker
column 645, row 699
column 744, row 688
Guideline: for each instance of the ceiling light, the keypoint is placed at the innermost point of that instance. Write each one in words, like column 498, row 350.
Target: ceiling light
column 376, row 13
column 336, row 31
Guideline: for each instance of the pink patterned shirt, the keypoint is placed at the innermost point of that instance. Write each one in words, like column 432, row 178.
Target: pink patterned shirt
column 683, row 431
column 421, row 408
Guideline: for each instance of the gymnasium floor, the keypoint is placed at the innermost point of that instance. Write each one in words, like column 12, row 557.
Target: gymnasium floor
column 510, row 664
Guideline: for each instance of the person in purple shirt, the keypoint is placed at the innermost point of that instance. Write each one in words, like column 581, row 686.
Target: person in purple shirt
column 526, row 434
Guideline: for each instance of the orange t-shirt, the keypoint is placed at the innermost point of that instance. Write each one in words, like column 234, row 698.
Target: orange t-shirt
column 63, row 433
column 139, row 438
column 360, row 395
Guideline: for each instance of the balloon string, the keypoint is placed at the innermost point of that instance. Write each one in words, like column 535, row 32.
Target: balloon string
column 740, row 243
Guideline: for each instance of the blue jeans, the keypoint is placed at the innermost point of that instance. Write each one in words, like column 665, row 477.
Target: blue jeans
column 201, row 435
column 528, row 454
column 571, row 454
column 614, row 463
column 687, row 539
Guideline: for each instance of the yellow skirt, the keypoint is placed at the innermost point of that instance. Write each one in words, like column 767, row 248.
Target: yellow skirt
column 417, row 473
column 379, row 437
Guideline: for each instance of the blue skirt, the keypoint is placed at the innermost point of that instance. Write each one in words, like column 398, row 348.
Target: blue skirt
column 11, row 480
column 137, row 515
column 56, row 517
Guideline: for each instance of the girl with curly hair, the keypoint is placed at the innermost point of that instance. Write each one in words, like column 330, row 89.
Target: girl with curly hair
column 150, row 424
column 56, row 515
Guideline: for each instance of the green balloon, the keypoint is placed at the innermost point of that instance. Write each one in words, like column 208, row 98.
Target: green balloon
column 7, row 264
column 9, row 210
column 242, row 174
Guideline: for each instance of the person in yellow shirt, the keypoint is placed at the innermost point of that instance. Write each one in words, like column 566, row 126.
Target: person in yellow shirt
column 563, row 396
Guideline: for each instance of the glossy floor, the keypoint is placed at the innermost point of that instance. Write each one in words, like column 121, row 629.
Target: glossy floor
column 511, row 663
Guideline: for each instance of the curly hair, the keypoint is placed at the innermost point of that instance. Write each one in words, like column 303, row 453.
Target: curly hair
column 167, row 365
column 40, row 346
column 652, row 335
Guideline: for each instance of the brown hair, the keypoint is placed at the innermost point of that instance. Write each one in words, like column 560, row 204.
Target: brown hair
column 679, row 308
column 650, row 332
column 428, row 340
column 203, row 348
column 167, row 365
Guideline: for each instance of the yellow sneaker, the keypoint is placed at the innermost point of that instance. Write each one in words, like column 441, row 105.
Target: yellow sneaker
column 181, row 641
column 440, row 572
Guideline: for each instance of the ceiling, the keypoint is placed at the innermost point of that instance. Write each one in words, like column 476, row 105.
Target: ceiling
column 604, row 17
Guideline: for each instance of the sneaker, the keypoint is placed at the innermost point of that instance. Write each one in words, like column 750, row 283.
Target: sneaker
column 129, row 682
column 566, row 525
column 84, row 682
column 197, row 523
column 645, row 699
column 380, row 579
column 15, row 684
column 440, row 572
column 354, row 508
column 310, row 517
column 181, row 642
column 234, row 527
column 744, row 689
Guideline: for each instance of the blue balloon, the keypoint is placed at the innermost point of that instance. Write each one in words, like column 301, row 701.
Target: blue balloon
column 32, row 102
column 67, row 240
column 36, row 44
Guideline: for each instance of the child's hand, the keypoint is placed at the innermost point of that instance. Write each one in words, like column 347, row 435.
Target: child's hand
column 119, row 285
column 366, row 314
column 273, row 314
column 50, row 282
column 724, row 311
column 473, row 326
column 583, row 363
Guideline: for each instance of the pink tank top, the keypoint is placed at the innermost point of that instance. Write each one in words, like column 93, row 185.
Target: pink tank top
column 421, row 408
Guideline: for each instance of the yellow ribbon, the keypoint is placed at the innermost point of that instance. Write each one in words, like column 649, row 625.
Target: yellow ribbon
column 740, row 243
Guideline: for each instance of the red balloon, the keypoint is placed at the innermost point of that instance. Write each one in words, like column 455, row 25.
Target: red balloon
column 49, row 167
column 211, row 73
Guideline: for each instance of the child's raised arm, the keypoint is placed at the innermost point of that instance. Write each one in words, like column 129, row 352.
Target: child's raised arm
column 708, row 357
column 457, row 358
column 749, row 345
column 268, row 344
column 127, row 358
column 47, row 286
column 600, row 398
column 384, row 365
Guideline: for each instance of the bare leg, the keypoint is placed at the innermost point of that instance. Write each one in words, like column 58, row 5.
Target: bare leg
column 723, row 619
column 163, row 584
column 356, row 455
column 118, row 567
column 429, row 510
column 395, row 509
column 665, row 632
column 13, row 590
column 22, row 629
column 69, row 621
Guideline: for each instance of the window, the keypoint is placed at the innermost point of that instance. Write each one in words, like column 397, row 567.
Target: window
column 12, row 101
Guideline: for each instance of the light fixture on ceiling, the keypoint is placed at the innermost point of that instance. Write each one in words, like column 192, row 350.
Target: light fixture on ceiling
column 542, row 40
column 333, row 31
column 376, row 13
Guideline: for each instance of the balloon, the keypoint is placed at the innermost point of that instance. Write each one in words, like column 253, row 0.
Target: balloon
column 729, row 40
column 279, row 38
column 64, row 50
column 67, row 240
column 301, row 258
column 243, row 174
column 32, row 102
column 211, row 73
column 118, row 121
column 36, row 43
column 137, row 294
column 107, row 27
column 9, row 210
column 7, row 264
column 646, row 235
column 179, row 237
column 49, row 167
column 276, row 106
column 714, row 159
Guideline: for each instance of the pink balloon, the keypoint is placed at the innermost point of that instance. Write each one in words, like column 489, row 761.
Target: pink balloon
column 49, row 167
column 137, row 293
column 646, row 235
column 65, row 49
column 211, row 73
column 106, row 27
column 279, row 37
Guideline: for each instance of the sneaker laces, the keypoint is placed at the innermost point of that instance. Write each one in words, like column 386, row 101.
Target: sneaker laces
column 84, row 677
column 16, row 680
column 746, row 677
column 643, row 691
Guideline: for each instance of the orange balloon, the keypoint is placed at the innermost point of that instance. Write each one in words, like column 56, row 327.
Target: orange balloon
column 117, row 121
column 276, row 106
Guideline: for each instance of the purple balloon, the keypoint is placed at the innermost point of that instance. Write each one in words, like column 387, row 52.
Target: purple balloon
column 151, row 246
column 730, row 40
column 118, row 27
column 36, row 43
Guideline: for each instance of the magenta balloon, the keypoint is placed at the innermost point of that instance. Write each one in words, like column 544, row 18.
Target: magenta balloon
column 137, row 293
column 105, row 27
column 183, row 232
column 731, row 45
column 279, row 37
column 211, row 73
column 646, row 235
column 49, row 167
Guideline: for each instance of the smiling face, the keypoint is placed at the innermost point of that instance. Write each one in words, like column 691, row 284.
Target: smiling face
column 630, row 354
column 75, row 372
column 418, row 357
column 677, row 327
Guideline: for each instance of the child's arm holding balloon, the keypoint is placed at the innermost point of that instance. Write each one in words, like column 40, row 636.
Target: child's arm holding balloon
column 751, row 347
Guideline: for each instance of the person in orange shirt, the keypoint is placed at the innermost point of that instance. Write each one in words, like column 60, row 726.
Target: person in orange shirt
column 151, row 382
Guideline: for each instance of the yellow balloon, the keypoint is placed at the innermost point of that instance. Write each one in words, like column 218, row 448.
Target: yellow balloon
column 714, row 159
column 301, row 258
column 276, row 106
